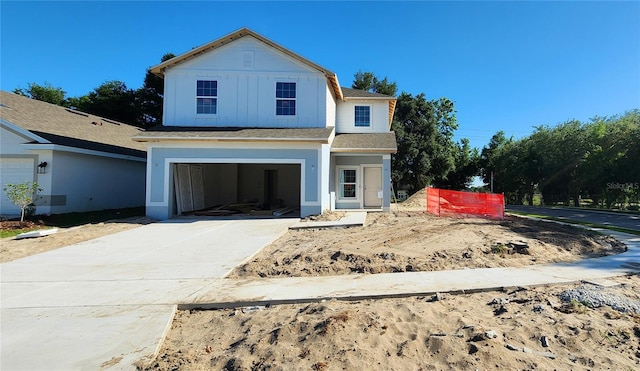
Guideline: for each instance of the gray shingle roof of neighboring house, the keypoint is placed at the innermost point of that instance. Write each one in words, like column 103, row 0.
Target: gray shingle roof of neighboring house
column 321, row 135
column 66, row 127
column 367, row 142
column 357, row 93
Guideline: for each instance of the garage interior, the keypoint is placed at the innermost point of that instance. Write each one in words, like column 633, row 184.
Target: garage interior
column 216, row 189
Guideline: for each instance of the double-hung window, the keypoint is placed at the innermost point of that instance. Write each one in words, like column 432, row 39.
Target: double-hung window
column 348, row 184
column 285, row 98
column 362, row 116
column 207, row 97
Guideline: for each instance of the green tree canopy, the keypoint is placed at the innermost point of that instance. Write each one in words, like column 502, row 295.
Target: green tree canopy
column 112, row 100
column 466, row 163
column 424, row 132
column 46, row 93
column 573, row 160
column 150, row 97
column 368, row 81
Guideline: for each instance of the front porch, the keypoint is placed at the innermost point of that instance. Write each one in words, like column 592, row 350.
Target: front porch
column 360, row 181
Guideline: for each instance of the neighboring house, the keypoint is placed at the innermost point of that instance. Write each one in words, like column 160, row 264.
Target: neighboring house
column 81, row 162
column 246, row 120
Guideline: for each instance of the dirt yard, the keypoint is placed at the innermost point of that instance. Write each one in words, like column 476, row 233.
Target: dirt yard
column 413, row 241
column 512, row 330
column 12, row 249
column 520, row 328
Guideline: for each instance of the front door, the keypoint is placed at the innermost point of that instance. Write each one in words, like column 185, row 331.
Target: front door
column 372, row 187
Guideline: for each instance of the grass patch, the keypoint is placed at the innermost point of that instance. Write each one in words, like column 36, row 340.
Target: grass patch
column 499, row 249
column 15, row 232
column 586, row 224
column 37, row 222
column 76, row 219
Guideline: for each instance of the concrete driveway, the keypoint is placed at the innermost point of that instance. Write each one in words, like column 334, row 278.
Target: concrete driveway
column 629, row 221
column 107, row 303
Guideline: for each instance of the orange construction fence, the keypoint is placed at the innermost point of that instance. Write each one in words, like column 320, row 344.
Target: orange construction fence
column 442, row 202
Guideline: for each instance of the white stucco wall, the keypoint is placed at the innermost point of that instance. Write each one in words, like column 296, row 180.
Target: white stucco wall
column 345, row 117
column 246, row 71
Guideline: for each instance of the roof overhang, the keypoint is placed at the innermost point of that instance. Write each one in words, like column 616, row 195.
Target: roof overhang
column 176, row 133
column 365, row 143
column 22, row 132
column 160, row 69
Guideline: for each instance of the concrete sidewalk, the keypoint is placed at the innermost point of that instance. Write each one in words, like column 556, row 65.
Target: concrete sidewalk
column 351, row 219
column 107, row 303
column 226, row 293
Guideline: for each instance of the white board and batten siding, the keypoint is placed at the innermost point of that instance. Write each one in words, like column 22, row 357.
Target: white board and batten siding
column 246, row 72
column 379, row 114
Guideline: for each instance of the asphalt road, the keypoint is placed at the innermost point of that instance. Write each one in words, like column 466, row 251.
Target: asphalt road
column 629, row 221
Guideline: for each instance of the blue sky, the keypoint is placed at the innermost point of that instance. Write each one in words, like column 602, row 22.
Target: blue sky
column 506, row 65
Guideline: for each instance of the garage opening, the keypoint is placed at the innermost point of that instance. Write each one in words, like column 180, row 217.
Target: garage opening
column 205, row 189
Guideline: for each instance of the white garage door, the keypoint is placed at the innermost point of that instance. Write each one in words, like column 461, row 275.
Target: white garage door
column 12, row 171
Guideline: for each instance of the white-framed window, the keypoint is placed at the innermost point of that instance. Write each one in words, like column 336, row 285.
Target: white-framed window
column 285, row 98
column 206, row 97
column 362, row 116
column 348, row 183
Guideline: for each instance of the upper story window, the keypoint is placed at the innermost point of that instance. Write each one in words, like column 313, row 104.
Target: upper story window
column 363, row 116
column 207, row 97
column 285, row 98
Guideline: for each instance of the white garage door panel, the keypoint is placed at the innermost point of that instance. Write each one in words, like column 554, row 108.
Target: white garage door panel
column 12, row 171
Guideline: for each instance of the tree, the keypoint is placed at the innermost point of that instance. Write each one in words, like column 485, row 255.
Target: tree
column 368, row 81
column 22, row 195
column 466, row 166
column 46, row 93
column 150, row 97
column 424, row 133
column 571, row 161
column 112, row 100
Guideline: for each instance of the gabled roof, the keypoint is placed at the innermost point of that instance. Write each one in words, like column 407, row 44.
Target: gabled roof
column 47, row 123
column 356, row 94
column 235, row 134
column 332, row 78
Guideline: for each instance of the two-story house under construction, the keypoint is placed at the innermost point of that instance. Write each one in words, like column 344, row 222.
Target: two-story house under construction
column 246, row 120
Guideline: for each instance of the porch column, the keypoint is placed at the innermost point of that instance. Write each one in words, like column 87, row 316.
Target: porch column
column 386, row 183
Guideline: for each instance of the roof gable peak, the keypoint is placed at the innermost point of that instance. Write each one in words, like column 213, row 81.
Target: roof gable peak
column 159, row 69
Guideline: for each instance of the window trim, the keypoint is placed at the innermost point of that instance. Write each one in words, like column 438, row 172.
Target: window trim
column 339, row 184
column 294, row 99
column 355, row 113
column 214, row 97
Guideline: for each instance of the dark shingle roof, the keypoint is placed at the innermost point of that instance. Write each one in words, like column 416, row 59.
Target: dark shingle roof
column 236, row 134
column 66, row 127
column 367, row 142
column 357, row 93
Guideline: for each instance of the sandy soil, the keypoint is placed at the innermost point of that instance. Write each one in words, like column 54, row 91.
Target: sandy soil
column 11, row 249
column 492, row 330
column 413, row 241
column 470, row 331
column 453, row 333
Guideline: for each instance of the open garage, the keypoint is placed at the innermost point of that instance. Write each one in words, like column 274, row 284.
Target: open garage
column 230, row 188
